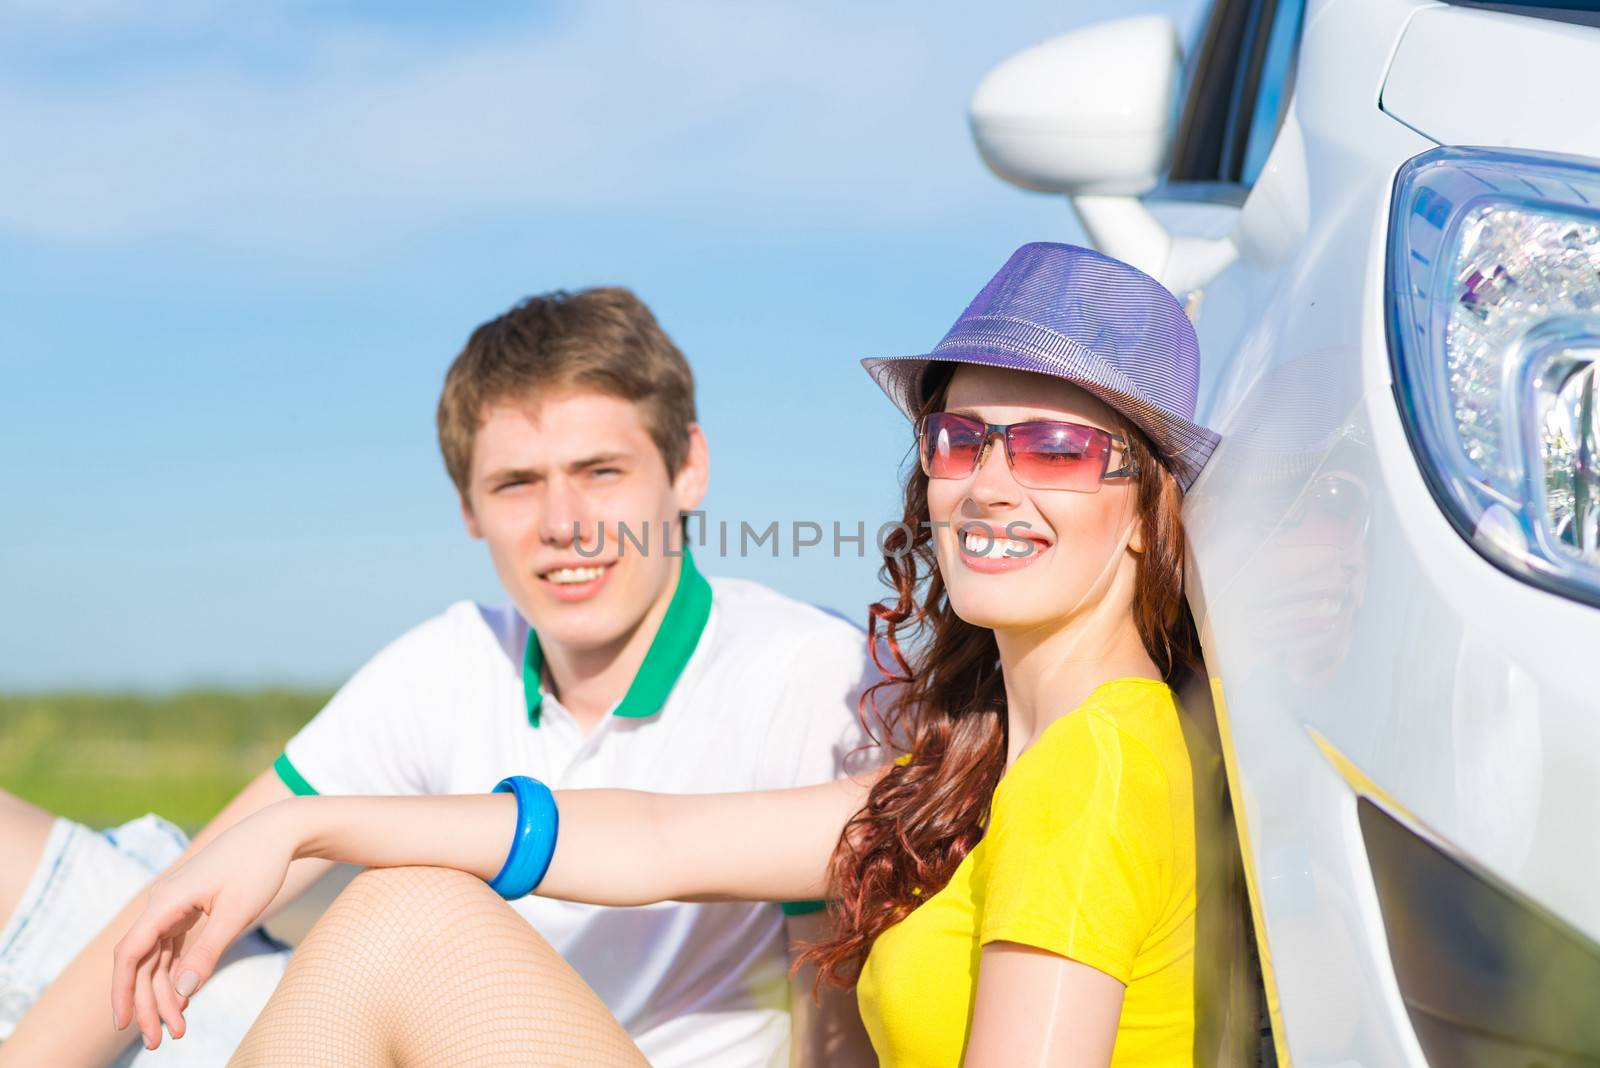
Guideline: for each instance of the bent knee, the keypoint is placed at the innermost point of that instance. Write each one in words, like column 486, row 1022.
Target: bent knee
column 408, row 882
column 15, row 813
column 415, row 903
column 409, row 889
column 24, row 833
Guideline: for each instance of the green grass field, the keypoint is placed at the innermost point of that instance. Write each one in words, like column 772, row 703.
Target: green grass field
column 105, row 758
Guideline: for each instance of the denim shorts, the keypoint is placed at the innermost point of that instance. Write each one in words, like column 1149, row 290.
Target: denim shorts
column 83, row 879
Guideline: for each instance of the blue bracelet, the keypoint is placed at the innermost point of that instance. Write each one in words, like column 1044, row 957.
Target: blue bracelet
column 535, row 841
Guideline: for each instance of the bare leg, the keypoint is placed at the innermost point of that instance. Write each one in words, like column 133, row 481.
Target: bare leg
column 23, row 830
column 428, row 967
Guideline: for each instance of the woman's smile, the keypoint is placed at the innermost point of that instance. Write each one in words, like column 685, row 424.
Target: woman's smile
column 990, row 552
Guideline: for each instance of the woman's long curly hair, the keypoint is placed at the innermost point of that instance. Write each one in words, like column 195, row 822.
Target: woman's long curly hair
column 945, row 708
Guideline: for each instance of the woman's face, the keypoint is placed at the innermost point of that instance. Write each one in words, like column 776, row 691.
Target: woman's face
column 1069, row 552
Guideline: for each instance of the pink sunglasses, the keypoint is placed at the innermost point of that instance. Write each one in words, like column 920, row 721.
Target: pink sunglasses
column 1043, row 454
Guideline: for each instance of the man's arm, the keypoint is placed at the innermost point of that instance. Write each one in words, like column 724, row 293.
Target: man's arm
column 66, row 1028
column 830, row 1033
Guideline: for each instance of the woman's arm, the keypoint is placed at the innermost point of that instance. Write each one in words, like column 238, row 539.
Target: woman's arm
column 1037, row 1009
column 631, row 848
column 616, row 847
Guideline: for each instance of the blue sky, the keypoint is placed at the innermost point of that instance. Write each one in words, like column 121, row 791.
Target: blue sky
column 239, row 246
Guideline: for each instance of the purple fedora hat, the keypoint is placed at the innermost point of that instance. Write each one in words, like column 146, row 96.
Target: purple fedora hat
column 1070, row 312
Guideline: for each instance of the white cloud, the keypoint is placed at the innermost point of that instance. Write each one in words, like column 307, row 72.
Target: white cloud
column 670, row 105
column 845, row 111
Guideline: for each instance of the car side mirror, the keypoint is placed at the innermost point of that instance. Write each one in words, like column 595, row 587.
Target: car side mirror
column 1086, row 113
column 1091, row 114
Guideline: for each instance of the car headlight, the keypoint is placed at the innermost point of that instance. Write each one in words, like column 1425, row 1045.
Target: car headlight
column 1494, row 324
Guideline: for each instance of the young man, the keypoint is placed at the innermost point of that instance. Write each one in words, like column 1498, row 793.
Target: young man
column 568, row 427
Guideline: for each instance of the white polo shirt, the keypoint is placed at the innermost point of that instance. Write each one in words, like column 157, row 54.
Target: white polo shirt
column 742, row 689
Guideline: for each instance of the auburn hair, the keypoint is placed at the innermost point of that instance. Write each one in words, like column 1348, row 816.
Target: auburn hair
column 603, row 339
column 944, row 708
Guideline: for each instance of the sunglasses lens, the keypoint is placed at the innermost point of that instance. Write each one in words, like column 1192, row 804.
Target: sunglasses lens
column 950, row 445
column 1059, row 455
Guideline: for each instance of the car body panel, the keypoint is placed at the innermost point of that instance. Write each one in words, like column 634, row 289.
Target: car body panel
column 1357, row 646
column 1538, row 95
column 1356, row 643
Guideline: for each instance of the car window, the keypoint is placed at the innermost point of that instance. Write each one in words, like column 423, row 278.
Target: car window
column 1239, row 78
column 1277, row 79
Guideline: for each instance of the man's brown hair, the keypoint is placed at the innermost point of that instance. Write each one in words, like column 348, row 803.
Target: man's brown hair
column 602, row 339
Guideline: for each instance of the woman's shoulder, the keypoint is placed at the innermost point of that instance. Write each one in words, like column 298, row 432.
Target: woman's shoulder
column 1139, row 711
column 1145, row 710
column 1126, row 731
column 1095, row 801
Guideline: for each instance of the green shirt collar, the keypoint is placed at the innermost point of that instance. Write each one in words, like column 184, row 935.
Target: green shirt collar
column 669, row 652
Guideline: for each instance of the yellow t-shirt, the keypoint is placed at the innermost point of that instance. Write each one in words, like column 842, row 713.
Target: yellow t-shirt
column 1089, row 853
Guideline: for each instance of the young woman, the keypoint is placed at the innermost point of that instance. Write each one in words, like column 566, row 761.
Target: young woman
column 1018, row 888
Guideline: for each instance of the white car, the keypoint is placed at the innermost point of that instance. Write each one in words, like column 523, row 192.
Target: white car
column 1384, row 217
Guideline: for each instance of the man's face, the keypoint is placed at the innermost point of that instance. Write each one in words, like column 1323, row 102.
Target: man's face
column 553, row 482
